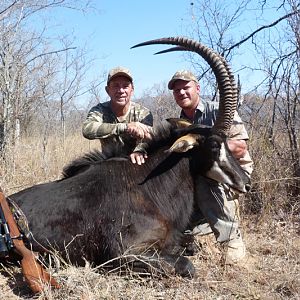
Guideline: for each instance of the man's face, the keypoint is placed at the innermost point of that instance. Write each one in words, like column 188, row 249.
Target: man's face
column 120, row 90
column 186, row 93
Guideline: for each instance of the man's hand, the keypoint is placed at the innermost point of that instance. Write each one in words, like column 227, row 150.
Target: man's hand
column 139, row 130
column 238, row 148
column 138, row 158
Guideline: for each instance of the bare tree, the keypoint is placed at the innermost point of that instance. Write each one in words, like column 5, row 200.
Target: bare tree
column 284, row 86
column 161, row 102
column 272, row 107
column 213, row 25
column 72, row 73
column 26, row 63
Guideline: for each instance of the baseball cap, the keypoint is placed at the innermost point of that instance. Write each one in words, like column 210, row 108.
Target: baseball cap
column 182, row 75
column 119, row 71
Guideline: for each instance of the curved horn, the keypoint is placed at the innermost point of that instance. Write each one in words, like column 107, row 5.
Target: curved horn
column 221, row 70
column 230, row 74
column 173, row 49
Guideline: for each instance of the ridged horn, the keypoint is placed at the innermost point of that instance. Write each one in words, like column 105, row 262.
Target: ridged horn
column 224, row 76
column 230, row 74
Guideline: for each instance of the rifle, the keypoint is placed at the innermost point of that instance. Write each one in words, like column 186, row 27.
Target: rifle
column 6, row 242
column 35, row 275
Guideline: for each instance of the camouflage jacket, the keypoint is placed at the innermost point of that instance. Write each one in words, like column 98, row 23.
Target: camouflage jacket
column 206, row 114
column 101, row 123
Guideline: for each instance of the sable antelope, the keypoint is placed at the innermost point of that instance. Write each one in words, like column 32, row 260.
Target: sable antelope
column 102, row 209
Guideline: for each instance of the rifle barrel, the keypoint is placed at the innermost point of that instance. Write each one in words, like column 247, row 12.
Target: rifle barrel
column 3, row 247
column 35, row 275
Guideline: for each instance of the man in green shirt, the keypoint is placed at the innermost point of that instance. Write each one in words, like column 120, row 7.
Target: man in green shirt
column 217, row 210
column 120, row 124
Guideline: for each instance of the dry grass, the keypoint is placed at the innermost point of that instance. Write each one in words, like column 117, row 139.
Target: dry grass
column 271, row 270
column 39, row 160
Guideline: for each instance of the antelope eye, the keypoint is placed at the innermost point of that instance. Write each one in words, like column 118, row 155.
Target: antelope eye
column 214, row 145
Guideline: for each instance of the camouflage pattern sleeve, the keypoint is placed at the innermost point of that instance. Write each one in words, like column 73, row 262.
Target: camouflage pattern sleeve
column 144, row 116
column 238, row 130
column 94, row 127
column 140, row 114
column 246, row 163
column 141, row 147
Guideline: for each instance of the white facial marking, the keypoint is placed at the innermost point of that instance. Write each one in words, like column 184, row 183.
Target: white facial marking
column 223, row 159
column 218, row 174
column 219, row 170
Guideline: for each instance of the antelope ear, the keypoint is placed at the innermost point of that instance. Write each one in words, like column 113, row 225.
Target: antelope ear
column 179, row 123
column 184, row 143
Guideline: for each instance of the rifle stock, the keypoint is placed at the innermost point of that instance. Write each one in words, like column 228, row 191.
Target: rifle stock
column 35, row 275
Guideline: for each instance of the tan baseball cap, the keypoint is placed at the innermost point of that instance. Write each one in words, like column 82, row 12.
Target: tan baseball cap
column 182, row 75
column 119, row 71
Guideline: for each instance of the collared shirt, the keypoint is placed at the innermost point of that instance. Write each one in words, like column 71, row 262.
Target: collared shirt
column 206, row 113
column 101, row 123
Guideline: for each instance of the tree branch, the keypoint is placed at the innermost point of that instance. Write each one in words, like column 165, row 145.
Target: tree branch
column 258, row 30
column 48, row 53
column 8, row 8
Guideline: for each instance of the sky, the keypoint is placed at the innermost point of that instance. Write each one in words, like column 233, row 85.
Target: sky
column 110, row 32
